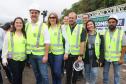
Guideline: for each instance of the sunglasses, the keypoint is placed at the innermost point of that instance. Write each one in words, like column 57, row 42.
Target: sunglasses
column 52, row 17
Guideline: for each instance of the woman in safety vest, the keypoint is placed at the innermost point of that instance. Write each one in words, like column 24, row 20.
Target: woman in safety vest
column 56, row 53
column 14, row 50
column 94, row 53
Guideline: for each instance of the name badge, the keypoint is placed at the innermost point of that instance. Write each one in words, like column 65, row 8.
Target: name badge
column 34, row 35
column 89, row 46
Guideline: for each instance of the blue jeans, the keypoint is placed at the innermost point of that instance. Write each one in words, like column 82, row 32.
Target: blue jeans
column 116, row 68
column 91, row 74
column 40, row 69
column 55, row 62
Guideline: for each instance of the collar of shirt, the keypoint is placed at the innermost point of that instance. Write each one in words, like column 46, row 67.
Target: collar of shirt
column 73, row 26
column 92, row 34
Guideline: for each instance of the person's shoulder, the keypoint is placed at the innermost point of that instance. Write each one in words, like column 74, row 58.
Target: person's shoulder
column 44, row 27
column 2, row 30
column 44, row 24
column 122, row 31
column 8, row 33
column 27, row 23
column 80, row 25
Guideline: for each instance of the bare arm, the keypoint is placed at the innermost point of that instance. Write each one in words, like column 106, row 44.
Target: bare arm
column 47, row 43
column 121, row 61
column 82, row 45
column 46, row 49
column 122, row 55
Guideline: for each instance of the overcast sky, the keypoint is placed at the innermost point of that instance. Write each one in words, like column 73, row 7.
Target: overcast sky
column 10, row 9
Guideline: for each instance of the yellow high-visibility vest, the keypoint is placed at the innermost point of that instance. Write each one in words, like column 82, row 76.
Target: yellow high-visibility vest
column 74, row 39
column 16, row 47
column 56, row 46
column 113, row 46
column 35, row 39
column 97, row 45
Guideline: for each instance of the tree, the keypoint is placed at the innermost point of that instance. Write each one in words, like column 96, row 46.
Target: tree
column 65, row 12
column 84, row 6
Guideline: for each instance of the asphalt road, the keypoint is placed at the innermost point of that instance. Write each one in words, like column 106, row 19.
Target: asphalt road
column 28, row 76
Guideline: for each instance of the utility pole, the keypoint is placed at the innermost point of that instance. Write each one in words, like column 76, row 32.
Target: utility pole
column 44, row 13
column 25, row 20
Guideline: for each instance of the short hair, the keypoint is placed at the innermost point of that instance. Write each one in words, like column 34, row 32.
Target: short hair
column 87, row 15
column 73, row 14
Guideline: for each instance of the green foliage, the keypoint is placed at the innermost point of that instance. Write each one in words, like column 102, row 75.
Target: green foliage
column 84, row 6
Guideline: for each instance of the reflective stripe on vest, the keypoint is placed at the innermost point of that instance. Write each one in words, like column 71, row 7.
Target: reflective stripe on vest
column 38, row 50
column 58, row 45
column 97, row 45
column 35, row 45
column 55, row 50
column 77, row 39
column 12, row 41
column 38, row 37
column 113, row 47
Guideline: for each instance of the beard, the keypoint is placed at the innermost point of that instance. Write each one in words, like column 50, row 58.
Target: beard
column 112, row 27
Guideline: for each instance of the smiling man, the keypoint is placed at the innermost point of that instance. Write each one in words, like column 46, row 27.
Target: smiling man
column 38, row 41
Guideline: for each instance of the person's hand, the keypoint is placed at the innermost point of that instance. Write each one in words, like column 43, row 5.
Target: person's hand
column 79, row 58
column 4, row 61
column 65, row 56
column 101, row 62
column 121, row 61
column 45, row 59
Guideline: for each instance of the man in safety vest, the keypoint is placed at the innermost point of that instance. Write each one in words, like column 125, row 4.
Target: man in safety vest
column 115, row 46
column 76, row 39
column 38, row 41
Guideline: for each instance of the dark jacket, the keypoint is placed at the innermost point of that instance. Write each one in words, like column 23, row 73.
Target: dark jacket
column 94, row 61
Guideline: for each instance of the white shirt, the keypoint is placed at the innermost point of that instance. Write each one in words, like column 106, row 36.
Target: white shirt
column 2, row 34
column 5, row 47
column 67, row 45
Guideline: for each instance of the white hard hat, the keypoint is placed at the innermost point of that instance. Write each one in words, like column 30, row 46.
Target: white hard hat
column 78, row 65
column 113, row 17
column 34, row 7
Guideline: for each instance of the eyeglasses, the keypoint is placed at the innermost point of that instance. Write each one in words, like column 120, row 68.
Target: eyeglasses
column 52, row 17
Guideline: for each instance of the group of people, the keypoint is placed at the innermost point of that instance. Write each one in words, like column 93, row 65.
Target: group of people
column 57, row 44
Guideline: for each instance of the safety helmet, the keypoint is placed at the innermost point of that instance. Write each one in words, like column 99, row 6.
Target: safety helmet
column 113, row 17
column 78, row 65
column 34, row 7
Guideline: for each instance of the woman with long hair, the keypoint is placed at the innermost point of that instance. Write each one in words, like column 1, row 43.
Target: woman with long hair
column 56, row 53
column 14, row 50
column 94, row 54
